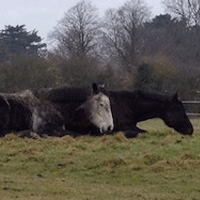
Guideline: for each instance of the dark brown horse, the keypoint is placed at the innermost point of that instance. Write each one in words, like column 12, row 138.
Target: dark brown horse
column 129, row 108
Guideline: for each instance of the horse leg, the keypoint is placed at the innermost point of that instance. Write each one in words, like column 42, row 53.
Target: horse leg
column 133, row 132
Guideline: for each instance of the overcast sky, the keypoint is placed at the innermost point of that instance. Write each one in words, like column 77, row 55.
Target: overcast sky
column 43, row 15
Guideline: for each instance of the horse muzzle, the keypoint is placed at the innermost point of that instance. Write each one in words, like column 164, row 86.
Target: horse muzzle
column 106, row 129
column 186, row 130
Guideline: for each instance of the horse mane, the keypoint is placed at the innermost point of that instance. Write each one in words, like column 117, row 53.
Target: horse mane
column 140, row 95
column 160, row 97
column 64, row 93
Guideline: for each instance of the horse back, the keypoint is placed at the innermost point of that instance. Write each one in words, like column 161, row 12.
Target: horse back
column 63, row 94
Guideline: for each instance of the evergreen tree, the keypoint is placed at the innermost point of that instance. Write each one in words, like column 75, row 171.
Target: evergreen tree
column 16, row 40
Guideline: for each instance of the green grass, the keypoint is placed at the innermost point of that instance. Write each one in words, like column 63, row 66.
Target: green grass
column 160, row 164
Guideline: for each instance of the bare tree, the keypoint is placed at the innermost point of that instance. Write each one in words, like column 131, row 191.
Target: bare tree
column 187, row 10
column 77, row 33
column 121, row 30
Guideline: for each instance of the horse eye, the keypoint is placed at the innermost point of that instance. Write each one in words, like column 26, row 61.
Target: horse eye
column 101, row 104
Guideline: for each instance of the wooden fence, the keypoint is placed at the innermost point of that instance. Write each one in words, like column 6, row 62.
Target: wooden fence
column 192, row 108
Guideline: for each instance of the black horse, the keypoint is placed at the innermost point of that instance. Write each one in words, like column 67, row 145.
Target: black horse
column 129, row 108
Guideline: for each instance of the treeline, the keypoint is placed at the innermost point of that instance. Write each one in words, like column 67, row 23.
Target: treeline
column 126, row 49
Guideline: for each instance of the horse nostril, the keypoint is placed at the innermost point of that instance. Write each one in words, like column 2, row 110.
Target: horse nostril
column 106, row 129
column 109, row 128
column 102, row 130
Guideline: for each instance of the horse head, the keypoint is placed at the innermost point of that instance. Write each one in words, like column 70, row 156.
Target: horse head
column 175, row 116
column 97, row 109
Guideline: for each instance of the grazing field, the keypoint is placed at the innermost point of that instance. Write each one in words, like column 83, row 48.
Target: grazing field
column 160, row 164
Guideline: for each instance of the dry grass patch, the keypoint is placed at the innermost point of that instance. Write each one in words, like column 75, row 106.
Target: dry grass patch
column 161, row 164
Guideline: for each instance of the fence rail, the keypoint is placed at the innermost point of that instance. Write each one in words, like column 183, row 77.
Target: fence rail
column 192, row 102
column 192, row 114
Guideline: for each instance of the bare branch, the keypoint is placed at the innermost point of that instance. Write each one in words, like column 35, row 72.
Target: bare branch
column 78, row 31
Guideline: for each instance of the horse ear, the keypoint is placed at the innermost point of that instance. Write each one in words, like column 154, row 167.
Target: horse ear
column 95, row 88
column 175, row 97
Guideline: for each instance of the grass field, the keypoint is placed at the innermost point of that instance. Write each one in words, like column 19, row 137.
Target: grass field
column 160, row 164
